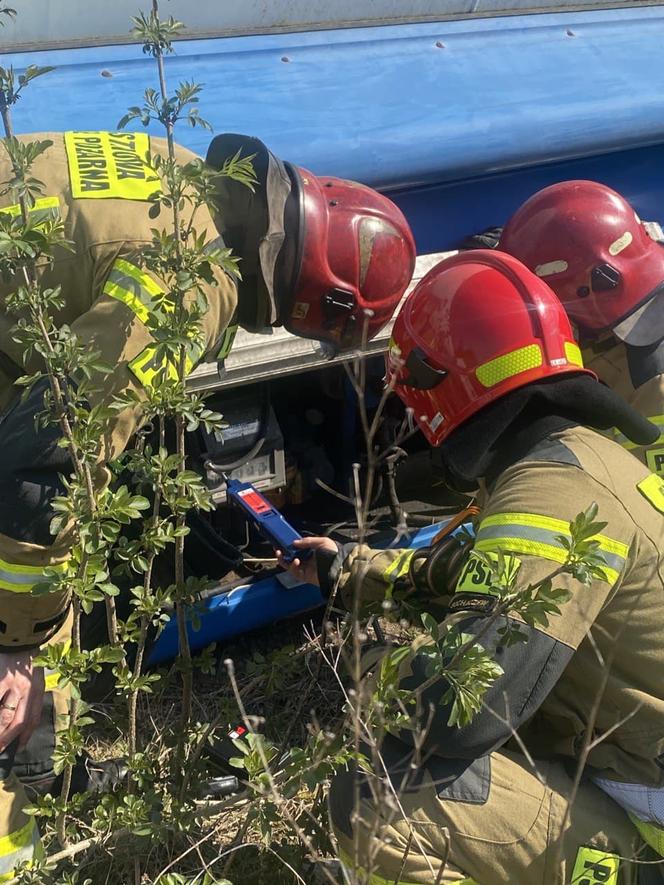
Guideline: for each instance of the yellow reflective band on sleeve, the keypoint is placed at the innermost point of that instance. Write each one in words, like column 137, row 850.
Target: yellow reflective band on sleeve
column 18, row 847
column 146, row 366
column 227, row 342
column 22, row 578
column 45, row 207
column 595, row 867
column 509, row 364
column 477, row 577
column 573, row 354
column 657, row 420
column 398, row 567
column 105, row 165
column 626, row 443
column 135, row 288
column 530, row 533
column 619, row 437
column 652, row 488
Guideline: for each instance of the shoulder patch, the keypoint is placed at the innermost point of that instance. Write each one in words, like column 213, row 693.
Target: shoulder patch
column 593, row 867
column 477, row 578
column 655, row 460
column 652, row 488
column 105, row 165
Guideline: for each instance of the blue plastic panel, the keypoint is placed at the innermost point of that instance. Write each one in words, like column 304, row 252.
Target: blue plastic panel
column 253, row 606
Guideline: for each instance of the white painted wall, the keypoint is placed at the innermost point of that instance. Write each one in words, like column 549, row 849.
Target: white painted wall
column 86, row 22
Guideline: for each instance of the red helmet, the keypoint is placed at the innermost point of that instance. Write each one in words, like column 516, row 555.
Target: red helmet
column 476, row 327
column 326, row 258
column 357, row 258
column 589, row 245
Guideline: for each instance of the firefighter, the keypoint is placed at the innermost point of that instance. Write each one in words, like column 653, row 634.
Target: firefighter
column 484, row 354
column 326, row 258
column 607, row 268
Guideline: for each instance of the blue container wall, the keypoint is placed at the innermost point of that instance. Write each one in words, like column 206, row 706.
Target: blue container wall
column 441, row 215
column 459, row 120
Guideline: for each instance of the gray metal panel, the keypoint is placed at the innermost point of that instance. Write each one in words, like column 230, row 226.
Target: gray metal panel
column 50, row 23
column 261, row 357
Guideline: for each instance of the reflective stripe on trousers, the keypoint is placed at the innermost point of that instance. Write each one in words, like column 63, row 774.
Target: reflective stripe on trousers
column 371, row 878
column 18, row 847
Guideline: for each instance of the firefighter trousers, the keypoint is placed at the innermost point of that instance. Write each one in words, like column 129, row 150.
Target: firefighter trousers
column 19, row 834
column 492, row 821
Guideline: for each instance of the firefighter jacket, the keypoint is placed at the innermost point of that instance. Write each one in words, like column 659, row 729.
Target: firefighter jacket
column 637, row 374
column 99, row 184
column 552, row 681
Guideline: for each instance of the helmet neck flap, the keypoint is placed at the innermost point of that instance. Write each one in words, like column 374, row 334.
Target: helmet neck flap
column 506, row 431
column 327, row 258
column 254, row 224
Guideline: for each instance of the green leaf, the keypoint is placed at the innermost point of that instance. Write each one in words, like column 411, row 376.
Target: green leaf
column 430, row 624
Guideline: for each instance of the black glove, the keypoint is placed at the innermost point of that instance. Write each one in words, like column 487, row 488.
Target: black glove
column 488, row 239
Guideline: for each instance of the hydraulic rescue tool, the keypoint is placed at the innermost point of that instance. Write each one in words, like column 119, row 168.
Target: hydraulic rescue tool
column 266, row 518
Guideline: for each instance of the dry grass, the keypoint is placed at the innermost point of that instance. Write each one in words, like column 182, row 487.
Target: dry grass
column 285, row 686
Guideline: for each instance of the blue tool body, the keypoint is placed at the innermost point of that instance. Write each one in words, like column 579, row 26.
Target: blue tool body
column 266, row 518
column 261, row 601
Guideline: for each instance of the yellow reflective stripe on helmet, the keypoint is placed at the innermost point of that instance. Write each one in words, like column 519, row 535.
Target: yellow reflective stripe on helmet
column 22, row 578
column 44, row 207
column 593, row 866
column 105, row 165
column 651, row 834
column 573, row 353
column 530, row 533
column 17, row 847
column 371, row 878
column 509, row 364
column 135, row 288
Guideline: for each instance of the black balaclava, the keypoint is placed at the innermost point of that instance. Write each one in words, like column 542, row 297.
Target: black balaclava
column 505, row 431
